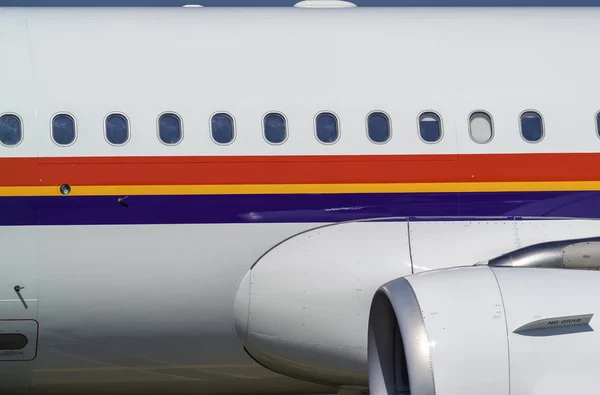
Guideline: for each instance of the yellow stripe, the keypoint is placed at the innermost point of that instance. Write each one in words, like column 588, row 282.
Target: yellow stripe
column 257, row 189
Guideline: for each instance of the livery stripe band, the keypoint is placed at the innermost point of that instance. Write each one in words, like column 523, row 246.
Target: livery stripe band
column 289, row 208
column 261, row 189
column 327, row 169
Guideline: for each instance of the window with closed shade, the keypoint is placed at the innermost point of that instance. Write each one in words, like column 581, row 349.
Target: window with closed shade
column 481, row 128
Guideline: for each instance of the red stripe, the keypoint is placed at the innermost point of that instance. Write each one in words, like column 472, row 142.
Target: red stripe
column 299, row 169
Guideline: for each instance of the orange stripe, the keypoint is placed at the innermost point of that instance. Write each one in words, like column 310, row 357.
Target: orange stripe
column 272, row 189
column 299, row 169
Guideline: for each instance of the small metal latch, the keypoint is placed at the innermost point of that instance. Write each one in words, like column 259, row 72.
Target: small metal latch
column 18, row 289
column 122, row 202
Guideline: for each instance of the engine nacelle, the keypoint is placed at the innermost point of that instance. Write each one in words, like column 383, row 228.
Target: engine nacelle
column 302, row 310
column 485, row 330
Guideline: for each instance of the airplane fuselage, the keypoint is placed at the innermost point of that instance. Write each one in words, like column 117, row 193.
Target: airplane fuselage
column 130, row 247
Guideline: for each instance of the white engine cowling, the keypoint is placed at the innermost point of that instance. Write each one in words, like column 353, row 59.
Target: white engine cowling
column 485, row 330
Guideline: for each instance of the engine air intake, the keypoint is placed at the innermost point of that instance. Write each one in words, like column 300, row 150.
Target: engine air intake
column 486, row 330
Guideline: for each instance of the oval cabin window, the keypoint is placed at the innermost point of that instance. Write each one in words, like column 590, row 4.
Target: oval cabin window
column 11, row 130
column 430, row 127
column 12, row 341
column 532, row 127
column 169, row 129
column 117, row 129
column 378, row 127
column 327, row 128
column 63, row 129
column 480, row 127
column 598, row 124
column 275, row 128
column 222, row 128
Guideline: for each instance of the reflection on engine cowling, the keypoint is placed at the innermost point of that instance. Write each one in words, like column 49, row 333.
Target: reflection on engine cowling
column 302, row 310
column 484, row 329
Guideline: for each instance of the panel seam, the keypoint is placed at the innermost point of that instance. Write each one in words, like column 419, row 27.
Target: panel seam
column 506, row 326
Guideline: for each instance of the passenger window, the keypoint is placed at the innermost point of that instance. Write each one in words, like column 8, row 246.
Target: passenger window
column 222, row 128
column 169, row 129
column 117, row 129
column 11, row 130
column 63, row 129
column 275, row 128
column 532, row 128
column 598, row 124
column 430, row 127
column 327, row 126
column 378, row 127
column 480, row 127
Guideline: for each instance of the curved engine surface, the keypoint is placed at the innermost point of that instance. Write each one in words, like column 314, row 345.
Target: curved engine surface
column 485, row 329
column 302, row 310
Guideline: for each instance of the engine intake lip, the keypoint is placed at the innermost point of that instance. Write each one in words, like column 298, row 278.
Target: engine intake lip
column 385, row 319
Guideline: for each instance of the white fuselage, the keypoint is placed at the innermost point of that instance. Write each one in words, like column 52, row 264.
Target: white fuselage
column 139, row 297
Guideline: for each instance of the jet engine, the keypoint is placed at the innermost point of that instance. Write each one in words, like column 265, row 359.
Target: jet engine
column 507, row 327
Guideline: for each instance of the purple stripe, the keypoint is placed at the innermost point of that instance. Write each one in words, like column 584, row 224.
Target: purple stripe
column 213, row 209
